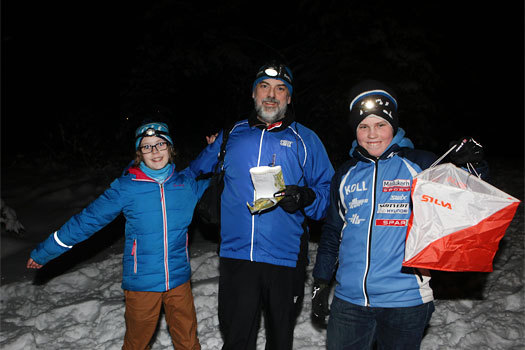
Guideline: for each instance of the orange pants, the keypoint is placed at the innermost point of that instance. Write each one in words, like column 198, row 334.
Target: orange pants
column 142, row 315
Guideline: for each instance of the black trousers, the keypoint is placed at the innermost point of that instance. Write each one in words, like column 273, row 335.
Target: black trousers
column 248, row 288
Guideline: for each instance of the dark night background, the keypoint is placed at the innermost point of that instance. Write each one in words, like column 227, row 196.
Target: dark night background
column 78, row 76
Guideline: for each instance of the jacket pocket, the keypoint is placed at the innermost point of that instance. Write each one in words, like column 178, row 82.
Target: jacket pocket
column 134, row 254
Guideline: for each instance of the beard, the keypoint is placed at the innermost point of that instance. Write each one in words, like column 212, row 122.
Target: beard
column 270, row 115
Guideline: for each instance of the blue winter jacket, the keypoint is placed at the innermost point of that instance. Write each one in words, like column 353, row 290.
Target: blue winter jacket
column 366, row 227
column 272, row 236
column 157, row 216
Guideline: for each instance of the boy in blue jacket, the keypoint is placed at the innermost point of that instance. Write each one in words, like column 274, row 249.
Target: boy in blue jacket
column 158, row 204
column 363, row 238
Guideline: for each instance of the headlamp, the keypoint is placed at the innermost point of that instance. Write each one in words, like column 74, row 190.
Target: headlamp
column 377, row 105
column 152, row 132
column 271, row 72
column 276, row 71
column 369, row 104
column 378, row 97
column 152, row 129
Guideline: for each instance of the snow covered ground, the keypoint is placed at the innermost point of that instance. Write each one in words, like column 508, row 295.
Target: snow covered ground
column 76, row 301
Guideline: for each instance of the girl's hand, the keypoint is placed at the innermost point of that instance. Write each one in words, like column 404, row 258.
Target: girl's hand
column 31, row 264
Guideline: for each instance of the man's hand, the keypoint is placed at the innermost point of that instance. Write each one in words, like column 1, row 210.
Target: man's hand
column 211, row 139
column 296, row 198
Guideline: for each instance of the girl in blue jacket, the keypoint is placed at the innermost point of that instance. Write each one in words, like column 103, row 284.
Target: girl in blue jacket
column 158, row 204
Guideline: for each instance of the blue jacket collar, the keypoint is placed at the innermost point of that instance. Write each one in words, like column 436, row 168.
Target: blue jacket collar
column 158, row 175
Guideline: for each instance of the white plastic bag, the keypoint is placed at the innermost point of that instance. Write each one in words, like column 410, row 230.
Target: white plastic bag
column 457, row 220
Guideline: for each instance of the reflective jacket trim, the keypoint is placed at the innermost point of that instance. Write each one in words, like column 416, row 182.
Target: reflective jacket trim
column 304, row 144
column 369, row 233
column 412, row 171
column 59, row 242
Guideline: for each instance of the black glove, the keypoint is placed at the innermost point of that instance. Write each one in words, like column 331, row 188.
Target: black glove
column 467, row 151
column 295, row 198
column 320, row 294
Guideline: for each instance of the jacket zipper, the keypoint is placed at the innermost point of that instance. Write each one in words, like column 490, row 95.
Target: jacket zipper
column 134, row 254
column 165, row 236
column 253, row 216
column 187, row 253
column 369, row 238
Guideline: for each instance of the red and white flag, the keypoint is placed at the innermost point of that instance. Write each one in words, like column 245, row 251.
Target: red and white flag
column 457, row 220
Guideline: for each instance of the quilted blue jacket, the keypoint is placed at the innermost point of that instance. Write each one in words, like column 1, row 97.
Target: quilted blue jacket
column 157, row 216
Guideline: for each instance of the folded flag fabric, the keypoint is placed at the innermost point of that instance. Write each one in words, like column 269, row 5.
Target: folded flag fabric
column 457, row 220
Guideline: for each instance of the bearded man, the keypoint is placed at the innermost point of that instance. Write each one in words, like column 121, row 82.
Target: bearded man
column 263, row 255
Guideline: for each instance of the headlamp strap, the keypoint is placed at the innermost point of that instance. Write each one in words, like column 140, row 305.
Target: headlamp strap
column 152, row 132
column 275, row 71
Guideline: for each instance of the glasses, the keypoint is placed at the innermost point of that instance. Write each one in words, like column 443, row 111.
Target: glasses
column 161, row 146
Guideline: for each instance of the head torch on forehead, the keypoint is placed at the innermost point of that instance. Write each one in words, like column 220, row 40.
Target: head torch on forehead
column 152, row 132
column 374, row 102
column 276, row 71
column 152, row 129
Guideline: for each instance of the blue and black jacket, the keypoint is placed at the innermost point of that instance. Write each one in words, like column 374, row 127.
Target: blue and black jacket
column 272, row 236
column 366, row 228
column 157, row 216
